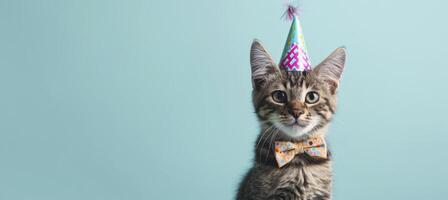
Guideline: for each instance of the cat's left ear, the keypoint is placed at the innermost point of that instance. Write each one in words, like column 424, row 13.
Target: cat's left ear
column 330, row 70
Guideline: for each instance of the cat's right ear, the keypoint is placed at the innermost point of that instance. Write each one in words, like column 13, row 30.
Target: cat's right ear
column 330, row 70
column 261, row 63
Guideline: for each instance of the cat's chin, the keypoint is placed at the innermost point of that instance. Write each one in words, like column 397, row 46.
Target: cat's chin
column 293, row 131
column 296, row 131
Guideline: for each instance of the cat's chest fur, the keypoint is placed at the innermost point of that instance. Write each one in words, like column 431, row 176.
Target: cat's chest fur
column 295, row 181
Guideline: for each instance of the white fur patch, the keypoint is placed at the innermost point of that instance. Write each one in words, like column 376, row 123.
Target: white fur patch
column 296, row 131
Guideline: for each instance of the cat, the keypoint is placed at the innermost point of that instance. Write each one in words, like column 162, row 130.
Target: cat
column 291, row 106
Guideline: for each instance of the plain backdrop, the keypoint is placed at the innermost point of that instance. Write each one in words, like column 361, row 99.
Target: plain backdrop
column 137, row 99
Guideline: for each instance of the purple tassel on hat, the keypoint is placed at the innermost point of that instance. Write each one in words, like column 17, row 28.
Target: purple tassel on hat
column 290, row 12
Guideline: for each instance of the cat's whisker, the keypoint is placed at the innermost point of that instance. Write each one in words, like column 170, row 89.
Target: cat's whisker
column 263, row 134
column 266, row 139
column 266, row 131
column 272, row 138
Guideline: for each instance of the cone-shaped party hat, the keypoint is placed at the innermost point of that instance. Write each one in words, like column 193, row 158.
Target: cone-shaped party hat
column 295, row 55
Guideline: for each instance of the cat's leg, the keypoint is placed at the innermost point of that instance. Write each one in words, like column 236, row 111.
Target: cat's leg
column 286, row 193
column 290, row 193
column 319, row 197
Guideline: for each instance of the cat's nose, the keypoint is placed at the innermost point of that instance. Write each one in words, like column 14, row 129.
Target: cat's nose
column 296, row 113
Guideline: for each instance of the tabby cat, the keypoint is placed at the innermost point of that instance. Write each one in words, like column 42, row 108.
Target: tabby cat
column 291, row 106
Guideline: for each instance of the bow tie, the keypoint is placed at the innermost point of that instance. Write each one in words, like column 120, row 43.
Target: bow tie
column 314, row 146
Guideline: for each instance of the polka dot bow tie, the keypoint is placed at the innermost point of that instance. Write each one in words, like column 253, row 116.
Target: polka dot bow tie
column 314, row 146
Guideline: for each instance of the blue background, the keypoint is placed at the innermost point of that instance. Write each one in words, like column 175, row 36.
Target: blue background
column 151, row 99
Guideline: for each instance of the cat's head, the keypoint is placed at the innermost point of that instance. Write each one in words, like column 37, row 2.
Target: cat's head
column 296, row 103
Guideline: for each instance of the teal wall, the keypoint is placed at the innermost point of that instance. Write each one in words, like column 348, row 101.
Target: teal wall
column 129, row 100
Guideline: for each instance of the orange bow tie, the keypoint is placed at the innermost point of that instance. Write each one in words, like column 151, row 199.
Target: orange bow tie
column 314, row 146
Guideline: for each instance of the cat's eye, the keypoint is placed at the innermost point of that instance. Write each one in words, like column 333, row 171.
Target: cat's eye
column 312, row 97
column 279, row 96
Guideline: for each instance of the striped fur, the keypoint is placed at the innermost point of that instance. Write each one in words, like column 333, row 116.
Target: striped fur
column 304, row 178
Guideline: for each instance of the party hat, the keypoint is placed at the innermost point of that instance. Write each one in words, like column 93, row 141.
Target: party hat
column 295, row 55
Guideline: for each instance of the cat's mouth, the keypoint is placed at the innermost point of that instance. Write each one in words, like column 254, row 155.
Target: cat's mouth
column 294, row 124
column 296, row 128
column 298, row 123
